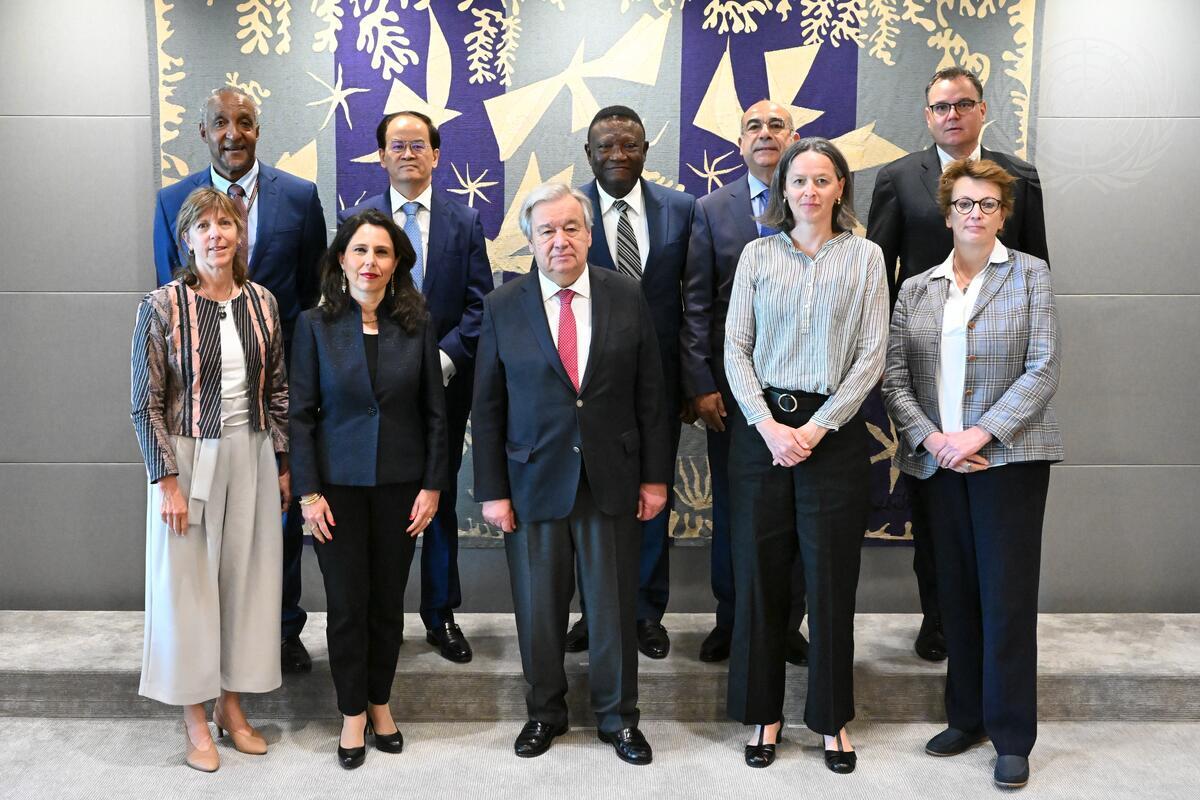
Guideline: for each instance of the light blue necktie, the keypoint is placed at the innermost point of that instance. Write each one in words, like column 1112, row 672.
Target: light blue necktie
column 413, row 231
column 760, row 208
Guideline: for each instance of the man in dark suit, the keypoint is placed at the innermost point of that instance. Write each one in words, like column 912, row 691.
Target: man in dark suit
column 286, row 238
column 725, row 223
column 906, row 222
column 641, row 230
column 571, row 449
column 453, row 273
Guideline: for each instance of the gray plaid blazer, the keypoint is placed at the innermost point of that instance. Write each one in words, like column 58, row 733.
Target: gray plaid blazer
column 1012, row 365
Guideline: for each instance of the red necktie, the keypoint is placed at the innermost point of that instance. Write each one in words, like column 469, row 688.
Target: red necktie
column 568, row 345
column 238, row 195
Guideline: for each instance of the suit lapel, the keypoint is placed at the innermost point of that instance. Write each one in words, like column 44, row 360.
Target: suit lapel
column 439, row 224
column 741, row 210
column 347, row 333
column 931, row 171
column 389, row 348
column 658, row 222
column 600, row 313
column 268, row 208
column 535, row 315
column 599, row 254
column 997, row 275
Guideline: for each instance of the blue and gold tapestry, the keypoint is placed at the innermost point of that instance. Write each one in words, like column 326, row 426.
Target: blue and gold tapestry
column 512, row 84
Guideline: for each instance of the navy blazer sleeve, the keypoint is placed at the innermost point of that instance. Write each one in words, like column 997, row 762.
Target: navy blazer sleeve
column 304, row 403
column 885, row 227
column 460, row 341
column 312, row 247
column 1033, row 231
column 433, row 406
column 489, row 416
column 699, row 290
column 653, row 416
column 166, row 251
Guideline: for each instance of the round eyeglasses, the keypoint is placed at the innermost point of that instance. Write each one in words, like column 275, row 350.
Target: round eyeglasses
column 987, row 205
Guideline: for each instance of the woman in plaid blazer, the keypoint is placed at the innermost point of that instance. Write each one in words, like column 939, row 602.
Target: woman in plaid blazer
column 972, row 365
column 973, row 361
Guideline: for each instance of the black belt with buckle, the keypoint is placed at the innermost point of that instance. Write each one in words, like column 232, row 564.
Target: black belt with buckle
column 789, row 401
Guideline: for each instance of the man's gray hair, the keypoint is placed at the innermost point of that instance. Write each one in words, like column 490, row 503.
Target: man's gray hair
column 220, row 90
column 548, row 193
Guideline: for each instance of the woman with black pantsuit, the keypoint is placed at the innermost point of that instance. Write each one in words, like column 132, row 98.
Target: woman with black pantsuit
column 973, row 362
column 368, row 426
column 804, row 344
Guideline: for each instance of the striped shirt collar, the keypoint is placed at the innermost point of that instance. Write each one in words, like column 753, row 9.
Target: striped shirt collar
column 785, row 238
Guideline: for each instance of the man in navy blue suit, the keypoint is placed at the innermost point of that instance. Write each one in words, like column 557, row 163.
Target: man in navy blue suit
column 641, row 230
column 286, row 238
column 453, row 273
column 724, row 225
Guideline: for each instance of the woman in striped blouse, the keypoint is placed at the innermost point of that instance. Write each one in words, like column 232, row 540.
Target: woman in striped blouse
column 804, row 343
column 209, row 397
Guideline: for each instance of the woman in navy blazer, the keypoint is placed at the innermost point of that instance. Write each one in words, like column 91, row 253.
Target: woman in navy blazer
column 368, row 422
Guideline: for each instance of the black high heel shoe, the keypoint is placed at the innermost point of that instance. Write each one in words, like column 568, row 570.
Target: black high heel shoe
column 353, row 757
column 761, row 754
column 385, row 742
column 840, row 761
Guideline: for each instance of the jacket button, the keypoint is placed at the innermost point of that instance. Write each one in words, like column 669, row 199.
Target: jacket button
column 968, row 392
column 579, row 404
column 970, row 358
column 372, row 411
column 575, row 449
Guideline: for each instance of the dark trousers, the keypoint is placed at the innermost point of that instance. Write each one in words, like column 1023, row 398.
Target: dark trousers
column 292, row 617
column 441, row 591
column 721, row 570
column 987, row 530
column 365, row 567
column 542, row 558
column 924, row 564
column 817, row 510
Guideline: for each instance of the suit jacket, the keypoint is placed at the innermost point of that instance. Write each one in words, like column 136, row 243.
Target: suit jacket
column 457, row 275
column 289, row 242
column 346, row 432
column 669, row 217
column 907, row 224
column 533, row 433
column 1012, row 365
column 723, row 226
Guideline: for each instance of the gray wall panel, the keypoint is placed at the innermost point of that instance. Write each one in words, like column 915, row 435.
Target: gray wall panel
column 1130, row 371
column 65, row 363
column 1110, row 187
column 105, row 42
column 1112, row 58
column 76, row 235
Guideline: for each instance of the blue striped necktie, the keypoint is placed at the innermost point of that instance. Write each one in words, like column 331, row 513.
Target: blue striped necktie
column 413, row 231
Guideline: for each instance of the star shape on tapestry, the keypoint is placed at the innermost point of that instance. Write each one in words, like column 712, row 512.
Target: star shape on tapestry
column 710, row 172
column 471, row 186
column 336, row 99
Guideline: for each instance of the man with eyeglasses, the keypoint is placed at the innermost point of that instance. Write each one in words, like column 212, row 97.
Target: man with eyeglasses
column 725, row 223
column 642, row 231
column 906, row 223
column 454, row 274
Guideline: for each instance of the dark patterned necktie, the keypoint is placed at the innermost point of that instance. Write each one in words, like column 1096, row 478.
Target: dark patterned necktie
column 238, row 195
column 629, row 260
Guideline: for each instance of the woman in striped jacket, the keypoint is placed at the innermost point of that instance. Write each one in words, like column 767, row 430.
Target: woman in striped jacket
column 209, row 407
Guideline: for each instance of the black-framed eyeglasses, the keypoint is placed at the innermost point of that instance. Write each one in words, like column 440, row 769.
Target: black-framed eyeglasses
column 963, row 205
column 961, row 106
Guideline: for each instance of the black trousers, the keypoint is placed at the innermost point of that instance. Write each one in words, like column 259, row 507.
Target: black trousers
column 365, row 567
column 987, row 532
column 924, row 564
column 817, row 510
column 542, row 558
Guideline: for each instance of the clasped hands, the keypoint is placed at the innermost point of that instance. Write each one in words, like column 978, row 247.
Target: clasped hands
column 652, row 499
column 959, row 450
column 790, row 446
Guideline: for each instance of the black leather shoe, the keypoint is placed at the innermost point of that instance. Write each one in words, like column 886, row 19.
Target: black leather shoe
column 762, row 753
column 652, row 639
column 715, row 646
column 387, row 742
column 630, row 745
column 293, row 657
column 352, row 757
column 931, row 642
column 795, row 650
column 840, row 761
column 535, row 738
column 577, row 636
column 449, row 640
column 1012, row 772
column 952, row 741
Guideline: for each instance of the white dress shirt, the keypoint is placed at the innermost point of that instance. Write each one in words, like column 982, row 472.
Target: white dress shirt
column 946, row 158
column 247, row 182
column 425, row 201
column 581, row 307
column 952, row 362
column 637, row 218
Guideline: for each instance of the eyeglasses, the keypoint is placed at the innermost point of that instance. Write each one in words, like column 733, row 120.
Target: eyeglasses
column 774, row 126
column 418, row 147
column 961, row 106
column 964, row 205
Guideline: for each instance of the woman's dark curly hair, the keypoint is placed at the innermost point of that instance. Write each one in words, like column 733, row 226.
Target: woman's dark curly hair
column 402, row 302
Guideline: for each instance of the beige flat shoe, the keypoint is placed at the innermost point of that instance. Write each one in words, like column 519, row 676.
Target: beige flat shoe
column 248, row 741
column 205, row 760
